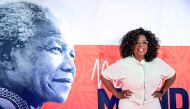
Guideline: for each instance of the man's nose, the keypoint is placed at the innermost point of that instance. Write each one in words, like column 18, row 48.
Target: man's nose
column 68, row 64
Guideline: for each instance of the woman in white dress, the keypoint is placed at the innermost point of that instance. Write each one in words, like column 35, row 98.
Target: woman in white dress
column 140, row 71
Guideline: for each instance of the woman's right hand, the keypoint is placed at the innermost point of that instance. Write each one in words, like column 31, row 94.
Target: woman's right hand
column 123, row 94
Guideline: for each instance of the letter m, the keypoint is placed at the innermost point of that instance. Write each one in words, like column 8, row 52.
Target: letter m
column 103, row 99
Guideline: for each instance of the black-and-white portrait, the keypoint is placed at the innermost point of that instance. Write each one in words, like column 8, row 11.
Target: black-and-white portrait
column 36, row 62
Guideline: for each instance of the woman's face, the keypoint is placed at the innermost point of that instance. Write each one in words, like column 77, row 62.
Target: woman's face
column 140, row 47
column 46, row 65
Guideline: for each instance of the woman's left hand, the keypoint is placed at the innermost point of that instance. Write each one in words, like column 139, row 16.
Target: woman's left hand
column 157, row 94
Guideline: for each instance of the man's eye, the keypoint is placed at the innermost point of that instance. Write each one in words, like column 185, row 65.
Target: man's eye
column 72, row 55
column 56, row 50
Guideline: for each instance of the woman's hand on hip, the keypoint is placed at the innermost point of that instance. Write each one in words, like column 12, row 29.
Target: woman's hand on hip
column 123, row 94
column 158, row 94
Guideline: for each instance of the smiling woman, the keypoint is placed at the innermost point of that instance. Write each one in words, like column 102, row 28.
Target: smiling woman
column 36, row 62
column 140, row 71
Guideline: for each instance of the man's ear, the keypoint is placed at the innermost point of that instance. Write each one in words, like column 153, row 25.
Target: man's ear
column 7, row 65
column 6, row 59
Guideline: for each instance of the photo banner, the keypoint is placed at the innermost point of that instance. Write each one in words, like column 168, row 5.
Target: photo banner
column 95, row 28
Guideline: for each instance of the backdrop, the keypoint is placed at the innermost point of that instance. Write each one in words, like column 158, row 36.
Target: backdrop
column 96, row 26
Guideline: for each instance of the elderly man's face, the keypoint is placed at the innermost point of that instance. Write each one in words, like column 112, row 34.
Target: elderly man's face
column 45, row 66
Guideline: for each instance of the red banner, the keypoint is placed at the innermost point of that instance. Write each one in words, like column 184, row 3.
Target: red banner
column 91, row 60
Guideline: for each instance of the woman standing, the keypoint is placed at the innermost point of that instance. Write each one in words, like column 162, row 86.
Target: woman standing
column 140, row 71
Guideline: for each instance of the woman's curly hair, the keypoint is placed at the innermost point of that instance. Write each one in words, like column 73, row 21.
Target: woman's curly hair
column 129, row 39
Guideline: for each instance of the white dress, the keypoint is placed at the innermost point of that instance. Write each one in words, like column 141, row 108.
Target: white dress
column 142, row 78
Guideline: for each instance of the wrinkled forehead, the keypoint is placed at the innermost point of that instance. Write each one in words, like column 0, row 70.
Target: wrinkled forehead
column 51, row 30
column 52, row 39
